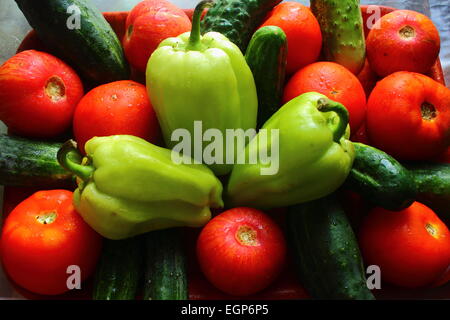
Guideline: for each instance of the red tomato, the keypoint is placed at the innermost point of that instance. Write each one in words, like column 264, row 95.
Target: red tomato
column 148, row 23
column 38, row 94
column 241, row 251
column 302, row 32
column 44, row 235
column 120, row 107
column 411, row 247
column 402, row 40
column 408, row 116
column 334, row 81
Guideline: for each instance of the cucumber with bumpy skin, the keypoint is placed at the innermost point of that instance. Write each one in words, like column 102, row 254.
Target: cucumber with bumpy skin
column 342, row 29
column 237, row 19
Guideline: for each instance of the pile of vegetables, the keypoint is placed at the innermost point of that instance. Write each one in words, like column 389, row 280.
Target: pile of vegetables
column 359, row 170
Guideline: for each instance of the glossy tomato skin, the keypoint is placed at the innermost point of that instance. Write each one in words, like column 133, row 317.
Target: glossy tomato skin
column 120, row 107
column 148, row 23
column 402, row 40
column 302, row 31
column 36, row 255
column 411, row 247
column 38, row 94
column 236, row 266
column 408, row 116
column 334, row 81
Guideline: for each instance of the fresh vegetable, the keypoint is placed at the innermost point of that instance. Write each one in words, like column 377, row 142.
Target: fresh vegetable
column 411, row 247
column 403, row 40
column 302, row 31
column 311, row 157
column 241, row 251
column 42, row 237
column 87, row 42
column 201, row 78
column 120, row 107
column 266, row 57
column 38, row 94
column 432, row 182
column 165, row 269
column 119, row 270
column 237, row 19
column 30, row 163
column 129, row 186
column 408, row 116
column 148, row 23
column 368, row 78
column 326, row 251
column 336, row 82
column 342, row 31
column 380, row 179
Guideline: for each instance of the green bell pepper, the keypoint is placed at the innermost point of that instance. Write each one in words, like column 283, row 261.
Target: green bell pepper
column 128, row 186
column 201, row 78
column 314, row 155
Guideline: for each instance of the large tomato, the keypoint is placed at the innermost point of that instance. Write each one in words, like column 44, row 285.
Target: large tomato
column 42, row 237
column 120, row 107
column 408, row 116
column 411, row 247
column 38, row 94
column 241, row 251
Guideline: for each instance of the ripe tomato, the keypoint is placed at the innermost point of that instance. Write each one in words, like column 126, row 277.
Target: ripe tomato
column 241, row 251
column 120, row 107
column 44, row 235
column 38, row 94
column 402, row 40
column 302, row 32
column 334, row 81
column 148, row 23
column 411, row 247
column 408, row 116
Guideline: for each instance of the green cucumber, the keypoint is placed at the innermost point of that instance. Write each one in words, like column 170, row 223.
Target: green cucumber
column 165, row 268
column 325, row 250
column 29, row 163
column 342, row 29
column 120, row 270
column 93, row 49
column 266, row 56
column 380, row 179
column 237, row 19
column 432, row 181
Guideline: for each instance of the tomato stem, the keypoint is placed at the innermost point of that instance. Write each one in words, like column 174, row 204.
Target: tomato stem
column 47, row 217
column 247, row 236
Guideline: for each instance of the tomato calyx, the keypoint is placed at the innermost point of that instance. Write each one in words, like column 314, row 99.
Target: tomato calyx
column 428, row 111
column 130, row 31
column 431, row 230
column 247, row 236
column 47, row 217
column 55, row 88
column 407, row 32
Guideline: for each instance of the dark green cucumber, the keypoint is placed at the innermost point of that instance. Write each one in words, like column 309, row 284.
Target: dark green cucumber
column 380, row 179
column 432, row 181
column 237, row 19
column 325, row 250
column 93, row 49
column 29, row 163
column 165, row 268
column 120, row 270
column 342, row 29
column 266, row 56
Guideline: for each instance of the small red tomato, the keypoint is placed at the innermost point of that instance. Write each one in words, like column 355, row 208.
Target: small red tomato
column 42, row 237
column 241, row 251
column 411, row 247
column 120, row 107
column 148, row 23
column 408, row 116
column 38, row 94
column 402, row 40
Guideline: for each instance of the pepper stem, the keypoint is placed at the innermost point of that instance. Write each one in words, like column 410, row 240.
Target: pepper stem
column 194, row 38
column 70, row 159
column 327, row 105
